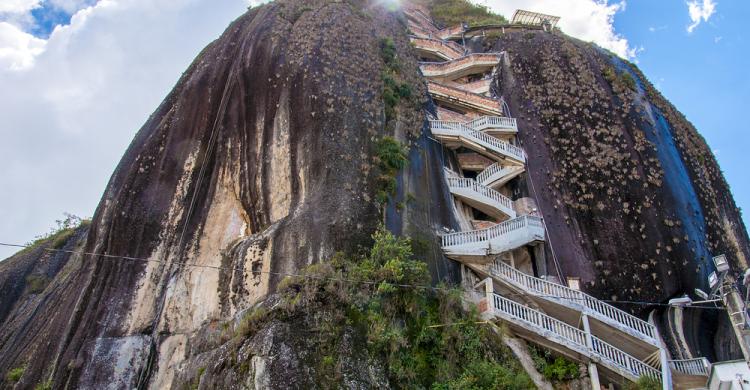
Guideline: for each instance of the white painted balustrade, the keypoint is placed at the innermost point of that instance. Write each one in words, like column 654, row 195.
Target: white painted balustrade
column 446, row 49
column 436, row 69
column 485, row 140
column 497, row 231
column 699, row 367
column 482, row 194
column 468, row 100
column 489, row 122
column 452, row 32
column 493, row 122
column 497, row 173
column 571, row 338
column 613, row 356
column 576, row 299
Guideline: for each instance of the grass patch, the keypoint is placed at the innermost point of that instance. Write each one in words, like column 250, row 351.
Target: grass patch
column 44, row 385
column 645, row 383
column 453, row 12
column 36, row 283
column 15, row 374
column 60, row 234
column 251, row 322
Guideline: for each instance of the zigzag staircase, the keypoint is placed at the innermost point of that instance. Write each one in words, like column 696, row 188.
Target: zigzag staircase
column 550, row 314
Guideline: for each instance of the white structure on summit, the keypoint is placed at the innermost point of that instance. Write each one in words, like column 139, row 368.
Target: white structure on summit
column 535, row 19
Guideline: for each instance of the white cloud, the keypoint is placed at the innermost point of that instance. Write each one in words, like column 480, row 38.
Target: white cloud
column 589, row 20
column 69, row 106
column 17, row 48
column 700, row 12
column 18, row 6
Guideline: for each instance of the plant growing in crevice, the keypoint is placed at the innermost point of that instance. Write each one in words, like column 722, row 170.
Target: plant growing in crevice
column 391, row 157
column 554, row 368
column 394, row 90
column 59, row 235
column 15, row 374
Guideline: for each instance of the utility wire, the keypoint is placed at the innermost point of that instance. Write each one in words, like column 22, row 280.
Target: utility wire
column 319, row 277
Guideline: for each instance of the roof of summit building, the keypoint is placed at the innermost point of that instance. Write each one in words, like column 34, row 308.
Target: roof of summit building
column 534, row 18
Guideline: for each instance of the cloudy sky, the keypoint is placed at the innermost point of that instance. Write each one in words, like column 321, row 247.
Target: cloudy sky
column 79, row 77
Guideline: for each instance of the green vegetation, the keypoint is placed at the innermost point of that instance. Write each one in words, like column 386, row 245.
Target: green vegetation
column 553, row 368
column 59, row 235
column 645, row 383
column 15, row 374
column 196, row 382
column 391, row 157
column 485, row 375
column 388, row 53
column 251, row 322
column 393, row 90
column 453, row 12
column 36, row 283
column 423, row 336
column 44, row 385
column 628, row 80
column 621, row 80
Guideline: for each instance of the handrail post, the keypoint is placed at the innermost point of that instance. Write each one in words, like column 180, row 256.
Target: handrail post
column 666, row 372
column 489, row 290
column 593, row 370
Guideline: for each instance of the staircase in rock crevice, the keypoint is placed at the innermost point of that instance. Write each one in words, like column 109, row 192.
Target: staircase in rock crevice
column 542, row 311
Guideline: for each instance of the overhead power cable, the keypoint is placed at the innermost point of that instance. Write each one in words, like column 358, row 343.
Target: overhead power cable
column 320, row 277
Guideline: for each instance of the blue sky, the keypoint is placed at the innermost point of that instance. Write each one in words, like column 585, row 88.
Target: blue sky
column 72, row 97
column 703, row 73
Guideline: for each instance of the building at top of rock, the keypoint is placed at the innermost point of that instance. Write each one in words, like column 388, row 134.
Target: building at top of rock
column 534, row 19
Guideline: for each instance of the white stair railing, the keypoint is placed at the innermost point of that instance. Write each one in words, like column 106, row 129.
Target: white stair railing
column 494, row 232
column 448, row 49
column 433, row 69
column 503, row 203
column 598, row 309
column 449, row 32
column 618, row 358
column 493, row 122
column 699, row 367
column 496, row 172
column 485, row 140
column 458, row 96
column 573, row 338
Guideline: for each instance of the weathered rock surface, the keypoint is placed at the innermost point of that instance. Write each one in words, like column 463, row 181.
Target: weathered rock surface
column 260, row 162
column 633, row 198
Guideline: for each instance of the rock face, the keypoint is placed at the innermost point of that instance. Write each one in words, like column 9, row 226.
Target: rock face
column 633, row 198
column 260, row 162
